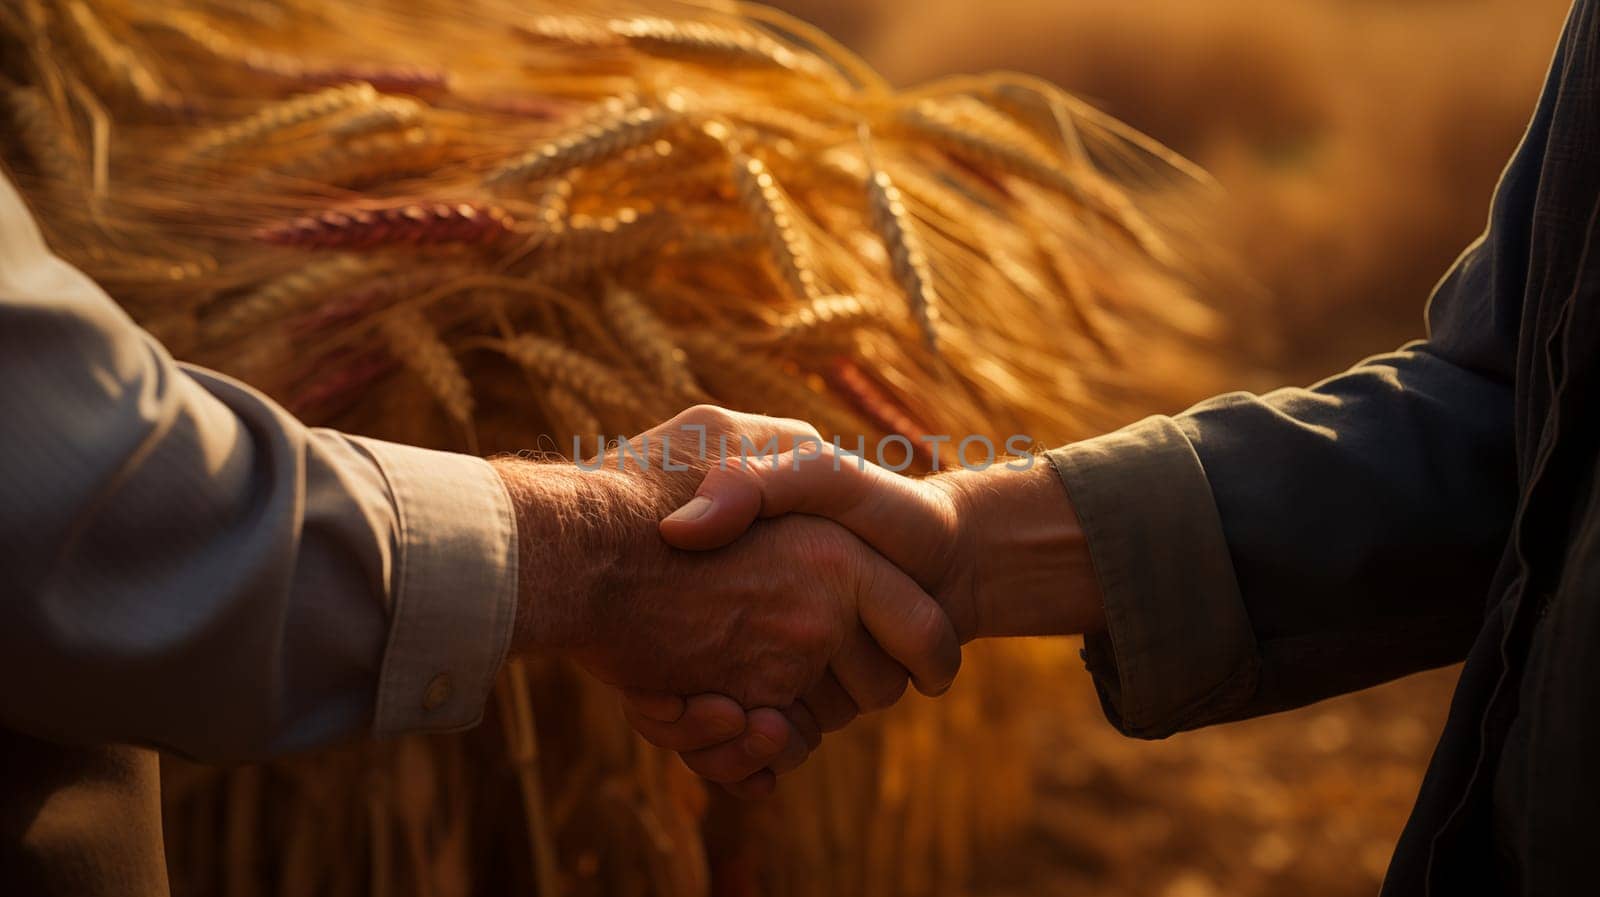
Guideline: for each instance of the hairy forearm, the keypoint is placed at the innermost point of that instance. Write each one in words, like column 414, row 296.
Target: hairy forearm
column 582, row 533
column 571, row 529
column 1028, row 570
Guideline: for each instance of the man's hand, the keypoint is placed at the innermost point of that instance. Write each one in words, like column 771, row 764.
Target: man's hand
column 800, row 607
column 1001, row 549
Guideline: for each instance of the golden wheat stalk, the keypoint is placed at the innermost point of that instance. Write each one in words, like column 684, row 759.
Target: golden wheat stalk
column 280, row 298
column 117, row 69
column 767, row 204
column 558, row 365
column 277, row 66
column 574, row 417
column 416, row 345
column 385, row 114
column 907, row 260
column 947, row 128
column 617, row 127
column 826, row 319
column 585, row 245
column 643, row 333
column 52, row 149
column 716, row 44
column 281, row 116
column 361, row 161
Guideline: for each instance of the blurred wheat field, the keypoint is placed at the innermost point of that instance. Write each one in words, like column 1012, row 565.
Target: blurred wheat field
column 1357, row 141
column 601, row 213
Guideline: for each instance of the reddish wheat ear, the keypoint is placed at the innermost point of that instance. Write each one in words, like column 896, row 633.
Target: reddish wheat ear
column 416, row 224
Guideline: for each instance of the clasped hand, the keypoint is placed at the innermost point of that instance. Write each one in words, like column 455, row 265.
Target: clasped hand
column 747, row 605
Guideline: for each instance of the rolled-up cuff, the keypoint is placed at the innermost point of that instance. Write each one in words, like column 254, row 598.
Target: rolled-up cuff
column 1178, row 651
column 455, row 581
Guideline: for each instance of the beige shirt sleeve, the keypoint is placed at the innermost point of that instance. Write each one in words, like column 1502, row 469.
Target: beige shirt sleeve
column 1178, row 650
column 185, row 565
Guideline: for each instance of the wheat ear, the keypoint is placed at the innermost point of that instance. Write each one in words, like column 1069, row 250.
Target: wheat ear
column 366, row 160
column 385, row 114
column 291, row 69
column 416, row 224
column 957, row 134
column 416, row 344
column 605, row 135
column 284, row 296
column 769, row 206
column 116, row 68
column 716, row 44
column 281, row 116
column 825, row 319
column 642, row 332
column 561, row 366
column 907, row 260
column 54, row 152
column 585, row 245
column 574, row 416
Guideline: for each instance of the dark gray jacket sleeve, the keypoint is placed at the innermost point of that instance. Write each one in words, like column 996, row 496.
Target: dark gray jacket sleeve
column 1258, row 553
column 185, row 565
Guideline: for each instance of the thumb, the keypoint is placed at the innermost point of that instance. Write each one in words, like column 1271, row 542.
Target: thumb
column 727, row 502
column 863, row 498
column 735, row 494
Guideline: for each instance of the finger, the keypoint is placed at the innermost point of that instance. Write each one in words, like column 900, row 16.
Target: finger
column 794, row 753
column 873, row 680
column 805, row 724
column 909, row 625
column 830, row 705
column 767, row 733
column 759, row 785
column 707, row 720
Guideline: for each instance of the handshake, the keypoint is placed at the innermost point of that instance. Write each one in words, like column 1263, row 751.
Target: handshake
column 748, row 605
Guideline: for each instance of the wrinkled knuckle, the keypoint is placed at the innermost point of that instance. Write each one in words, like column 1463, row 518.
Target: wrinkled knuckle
column 799, row 427
column 710, row 416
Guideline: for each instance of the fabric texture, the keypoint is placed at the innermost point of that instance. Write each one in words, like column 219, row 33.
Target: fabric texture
column 1179, row 650
column 187, row 567
column 1429, row 505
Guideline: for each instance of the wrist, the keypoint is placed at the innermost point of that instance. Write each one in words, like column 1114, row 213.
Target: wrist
column 568, row 540
column 1022, row 564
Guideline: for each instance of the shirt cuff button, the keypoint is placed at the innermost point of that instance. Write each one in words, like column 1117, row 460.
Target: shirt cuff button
column 437, row 693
